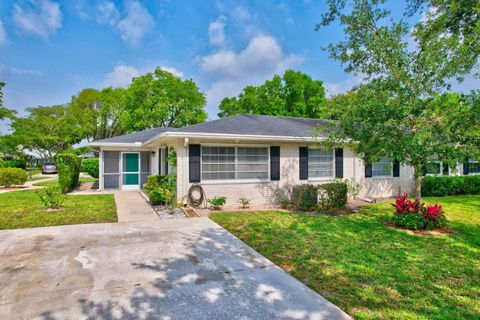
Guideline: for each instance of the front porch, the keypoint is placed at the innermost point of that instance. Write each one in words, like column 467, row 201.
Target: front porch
column 128, row 169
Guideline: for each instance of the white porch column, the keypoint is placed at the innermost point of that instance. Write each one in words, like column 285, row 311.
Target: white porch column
column 101, row 169
column 155, row 162
column 182, row 171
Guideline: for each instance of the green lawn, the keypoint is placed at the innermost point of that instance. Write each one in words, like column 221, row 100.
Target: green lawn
column 23, row 209
column 370, row 270
column 55, row 182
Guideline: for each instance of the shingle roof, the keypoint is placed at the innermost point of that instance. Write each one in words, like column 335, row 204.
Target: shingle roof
column 140, row 136
column 241, row 124
column 248, row 124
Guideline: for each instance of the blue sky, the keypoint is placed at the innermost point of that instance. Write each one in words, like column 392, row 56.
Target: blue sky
column 51, row 49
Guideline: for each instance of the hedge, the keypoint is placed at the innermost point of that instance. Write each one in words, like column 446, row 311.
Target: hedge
column 91, row 166
column 68, row 171
column 450, row 186
column 332, row 196
column 21, row 164
column 12, row 176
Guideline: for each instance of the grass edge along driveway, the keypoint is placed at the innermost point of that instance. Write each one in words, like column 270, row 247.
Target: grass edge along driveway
column 372, row 271
column 23, row 209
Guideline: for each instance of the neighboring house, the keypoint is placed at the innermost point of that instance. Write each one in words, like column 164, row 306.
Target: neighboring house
column 248, row 156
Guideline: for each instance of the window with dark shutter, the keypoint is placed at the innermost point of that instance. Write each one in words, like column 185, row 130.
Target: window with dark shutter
column 465, row 169
column 303, row 153
column 445, row 170
column 274, row 163
column 339, row 163
column 194, row 162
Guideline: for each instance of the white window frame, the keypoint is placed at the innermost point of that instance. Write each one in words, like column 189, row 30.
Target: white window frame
column 435, row 174
column 383, row 176
column 473, row 173
column 236, row 160
column 321, row 178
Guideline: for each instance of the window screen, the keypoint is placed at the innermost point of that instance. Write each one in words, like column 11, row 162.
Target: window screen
column 382, row 168
column 320, row 163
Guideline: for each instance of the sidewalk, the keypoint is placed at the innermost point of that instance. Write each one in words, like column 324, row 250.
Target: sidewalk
column 131, row 206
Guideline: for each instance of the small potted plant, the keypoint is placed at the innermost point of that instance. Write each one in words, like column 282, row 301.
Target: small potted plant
column 217, row 202
column 245, row 202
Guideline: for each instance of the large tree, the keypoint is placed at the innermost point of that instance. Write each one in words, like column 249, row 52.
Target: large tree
column 399, row 110
column 161, row 99
column 46, row 131
column 97, row 114
column 295, row 94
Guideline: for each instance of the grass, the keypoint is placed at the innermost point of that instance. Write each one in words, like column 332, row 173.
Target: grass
column 54, row 182
column 23, row 209
column 372, row 271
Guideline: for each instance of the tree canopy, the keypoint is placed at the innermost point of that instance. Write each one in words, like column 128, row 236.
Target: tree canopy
column 4, row 112
column 295, row 94
column 45, row 131
column 401, row 110
column 97, row 114
column 161, row 99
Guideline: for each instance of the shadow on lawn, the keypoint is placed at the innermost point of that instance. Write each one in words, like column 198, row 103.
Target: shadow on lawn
column 208, row 283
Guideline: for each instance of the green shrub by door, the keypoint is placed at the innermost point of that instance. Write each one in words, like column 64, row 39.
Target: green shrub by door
column 68, row 171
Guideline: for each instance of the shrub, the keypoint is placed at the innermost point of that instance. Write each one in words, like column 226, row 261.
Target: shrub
column 304, row 197
column 68, row 171
column 91, row 166
column 416, row 216
column 12, row 176
column 18, row 163
column 332, row 196
column 282, row 197
column 51, row 198
column 244, row 202
column 354, row 187
column 217, row 202
column 161, row 189
column 450, row 186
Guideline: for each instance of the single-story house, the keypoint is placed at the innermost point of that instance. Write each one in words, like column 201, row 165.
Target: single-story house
column 251, row 156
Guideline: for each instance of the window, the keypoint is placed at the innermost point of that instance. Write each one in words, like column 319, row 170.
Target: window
column 474, row 167
column 252, row 163
column 433, row 168
column 382, row 168
column 227, row 163
column 320, row 163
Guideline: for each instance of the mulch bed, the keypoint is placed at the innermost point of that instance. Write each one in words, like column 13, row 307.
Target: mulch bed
column 434, row 232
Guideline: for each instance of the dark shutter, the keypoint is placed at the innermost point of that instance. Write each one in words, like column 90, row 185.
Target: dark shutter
column 445, row 169
column 303, row 163
column 368, row 170
column 166, row 160
column 159, row 161
column 465, row 169
column 396, row 169
column 339, row 163
column 194, row 162
column 274, row 163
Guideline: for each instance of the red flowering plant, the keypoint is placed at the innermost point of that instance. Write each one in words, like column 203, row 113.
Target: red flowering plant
column 415, row 215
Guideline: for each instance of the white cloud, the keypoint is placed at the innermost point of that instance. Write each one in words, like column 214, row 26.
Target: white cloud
column 107, row 13
column 135, row 24
column 3, row 34
column 231, row 71
column 41, row 18
column 334, row 88
column 26, row 72
column 122, row 75
column 216, row 31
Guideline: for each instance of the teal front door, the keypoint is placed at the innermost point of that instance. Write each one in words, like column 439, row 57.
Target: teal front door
column 131, row 170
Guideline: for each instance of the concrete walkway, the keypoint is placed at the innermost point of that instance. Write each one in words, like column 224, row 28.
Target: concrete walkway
column 132, row 206
column 175, row 269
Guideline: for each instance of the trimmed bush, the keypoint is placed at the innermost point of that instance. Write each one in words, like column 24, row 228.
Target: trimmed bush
column 217, row 202
column 18, row 163
column 91, row 166
column 304, row 197
column 51, row 198
column 332, row 196
column 161, row 189
column 450, row 186
column 12, row 176
column 68, row 171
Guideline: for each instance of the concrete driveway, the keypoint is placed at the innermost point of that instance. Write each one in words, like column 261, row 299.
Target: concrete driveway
column 177, row 269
